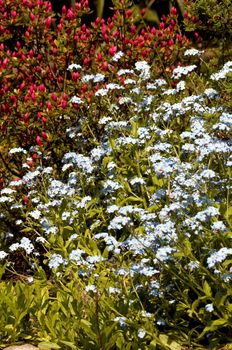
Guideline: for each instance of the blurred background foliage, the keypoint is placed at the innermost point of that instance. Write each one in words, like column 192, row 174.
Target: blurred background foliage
column 105, row 8
column 212, row 19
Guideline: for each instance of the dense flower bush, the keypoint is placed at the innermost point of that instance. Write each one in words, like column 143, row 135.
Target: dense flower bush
column 115, row 210
column 38, row 91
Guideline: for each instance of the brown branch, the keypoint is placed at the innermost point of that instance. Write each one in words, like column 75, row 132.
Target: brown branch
column 12, row 171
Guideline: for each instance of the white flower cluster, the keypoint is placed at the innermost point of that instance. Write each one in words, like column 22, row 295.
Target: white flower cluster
column 227, row 68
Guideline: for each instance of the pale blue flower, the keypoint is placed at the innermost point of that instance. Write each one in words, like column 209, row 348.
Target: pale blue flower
column 7, row 190
column 179, row 71
column 17, row 150
column 193, row 52
column 117, row 56
column 91, row 288
column 163, row 253
column 141, row 333
column 3, row 255
column 218, row 256
column 119, row 222
column 55, row 261
column 26, row 244
column 121, row 320
column 73, row 66
column 76, row 99
column 35, row 214
column 209, row 307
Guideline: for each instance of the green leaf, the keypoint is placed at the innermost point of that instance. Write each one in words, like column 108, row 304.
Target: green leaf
column 131, row 199
column 151, row 16
column 120, row 341
column 68, row 343
column 171, row 344
column 181, row 6
column 48, row 346
column 207, row 289
column 153, row 344
column 100, row 8
column 214, row 325
column 68, row 228
column 86, row 326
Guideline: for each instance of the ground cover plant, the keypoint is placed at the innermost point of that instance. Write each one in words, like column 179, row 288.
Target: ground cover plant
column 116, row 231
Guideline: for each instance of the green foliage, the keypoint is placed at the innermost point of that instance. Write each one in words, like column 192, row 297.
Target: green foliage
column 212, row 18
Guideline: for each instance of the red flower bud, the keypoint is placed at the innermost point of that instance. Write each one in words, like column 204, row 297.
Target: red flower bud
column 99, row 57
column 54, row 97
column 64, row 96
column 41, row 88
column 33, row 96
column 59, row 27
column 48, row 22
column 13, row 14
column 194, row 19
column 128, row 13
column 5, row 62
column 105, row 66
column 173, row 11
column 133, row 28
column 86, row 62
column 106, row 38
column 60, row 79
column 161, row 25
column 49, row 105
column 70, row 14
column 32, row 16
column 31, row 53
column 26, row 117
column 112, row 50
column 179, row 37
column 38, row 69
column 39, row 141
column 75, row 76
column 63, row 104
column 44, row 135
column 78, row 6
column 26, row 200
column 84, row 88
column 90, row 95
column 115, row 34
